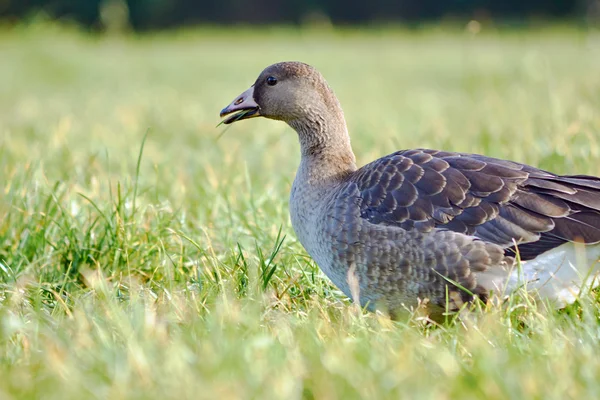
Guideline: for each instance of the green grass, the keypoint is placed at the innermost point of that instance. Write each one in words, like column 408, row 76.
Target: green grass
column 177, row 274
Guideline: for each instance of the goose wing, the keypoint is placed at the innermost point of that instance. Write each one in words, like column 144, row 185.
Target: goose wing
column 497, row 201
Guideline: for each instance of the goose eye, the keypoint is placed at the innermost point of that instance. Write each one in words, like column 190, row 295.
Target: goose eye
column 271, row 81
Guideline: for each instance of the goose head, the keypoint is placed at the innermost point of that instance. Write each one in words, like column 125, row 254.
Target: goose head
column 286, row 91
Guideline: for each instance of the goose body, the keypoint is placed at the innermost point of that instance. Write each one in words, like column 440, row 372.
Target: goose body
column 425, row 226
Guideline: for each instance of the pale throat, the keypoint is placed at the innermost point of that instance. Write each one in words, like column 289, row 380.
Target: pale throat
column 326, row 152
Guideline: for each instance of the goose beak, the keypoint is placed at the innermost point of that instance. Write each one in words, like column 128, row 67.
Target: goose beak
column 245, row 104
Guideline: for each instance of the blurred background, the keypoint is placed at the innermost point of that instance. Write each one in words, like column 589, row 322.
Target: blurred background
column 508, row 78
column 157, row 14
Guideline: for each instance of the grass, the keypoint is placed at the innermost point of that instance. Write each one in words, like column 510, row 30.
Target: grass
column 142, row 256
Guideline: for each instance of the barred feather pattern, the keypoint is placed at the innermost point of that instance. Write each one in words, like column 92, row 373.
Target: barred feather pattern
column 424, row 224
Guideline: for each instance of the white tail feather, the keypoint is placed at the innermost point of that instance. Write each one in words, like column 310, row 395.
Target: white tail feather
column 560, row 275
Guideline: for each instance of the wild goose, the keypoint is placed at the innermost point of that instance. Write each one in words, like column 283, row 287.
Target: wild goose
column 425, row 227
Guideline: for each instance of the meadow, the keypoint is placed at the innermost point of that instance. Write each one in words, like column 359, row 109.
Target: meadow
column 146, row 253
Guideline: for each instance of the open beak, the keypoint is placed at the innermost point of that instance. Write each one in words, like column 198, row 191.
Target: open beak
column 246, row 106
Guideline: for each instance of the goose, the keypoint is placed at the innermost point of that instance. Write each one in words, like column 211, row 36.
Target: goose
column 425, row 229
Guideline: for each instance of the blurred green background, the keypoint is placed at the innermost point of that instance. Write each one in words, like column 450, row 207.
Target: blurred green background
column 154, row 14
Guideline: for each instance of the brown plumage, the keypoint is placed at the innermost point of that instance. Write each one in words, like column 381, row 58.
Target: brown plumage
column 495, row 200
column 421, row 224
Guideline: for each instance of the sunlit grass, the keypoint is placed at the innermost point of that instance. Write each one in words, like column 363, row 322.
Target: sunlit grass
column 167, row 266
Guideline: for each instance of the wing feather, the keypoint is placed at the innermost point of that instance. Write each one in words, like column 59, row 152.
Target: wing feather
column 498, row 201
